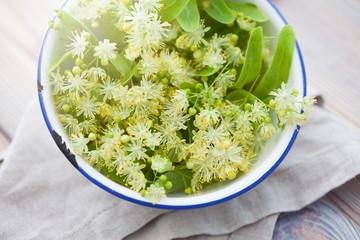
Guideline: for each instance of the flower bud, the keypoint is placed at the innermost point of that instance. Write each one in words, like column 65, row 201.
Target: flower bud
column 165, row 81
column 66, row 108
column 125, row 138
column 95, row 24
column 163, row 178
column 92, row 136
column 188, row 191
column 168, row 185
column 192, row 111
column 78, row 61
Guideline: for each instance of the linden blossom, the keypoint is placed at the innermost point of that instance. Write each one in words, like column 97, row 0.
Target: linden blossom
column 173, row 118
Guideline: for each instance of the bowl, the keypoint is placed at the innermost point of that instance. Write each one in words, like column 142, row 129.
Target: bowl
column 275, row 151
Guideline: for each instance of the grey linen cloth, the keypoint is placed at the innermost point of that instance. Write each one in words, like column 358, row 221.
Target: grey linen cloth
column 43, row 197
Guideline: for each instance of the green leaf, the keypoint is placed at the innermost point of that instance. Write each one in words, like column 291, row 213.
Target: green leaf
column 208, row 72
column 187, row 85
column 109, row 31
column 112, row 175
column 240, row 97
column 172, row 155
column 72, row 24
column 180, row 179
column 58, row 61
column 253, row 59
column 121, row 63
column 280, row 67
column 249, row 10
column 218, row 10
column 189, row 18
column 171, row 9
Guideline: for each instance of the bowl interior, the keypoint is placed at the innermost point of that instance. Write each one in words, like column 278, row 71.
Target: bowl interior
column 275, row 151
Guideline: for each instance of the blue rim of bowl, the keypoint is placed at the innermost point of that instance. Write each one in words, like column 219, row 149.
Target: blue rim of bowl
column 162, row 206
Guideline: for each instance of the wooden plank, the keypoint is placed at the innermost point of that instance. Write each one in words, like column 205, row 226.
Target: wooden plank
column 18, row 84
column 347, row 198
column 23, row 25
column 328, row 33
column 319, row 220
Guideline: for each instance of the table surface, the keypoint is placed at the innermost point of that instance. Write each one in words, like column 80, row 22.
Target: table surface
column 327, row 32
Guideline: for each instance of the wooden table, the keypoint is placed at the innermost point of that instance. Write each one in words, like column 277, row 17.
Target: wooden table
column 327, row 30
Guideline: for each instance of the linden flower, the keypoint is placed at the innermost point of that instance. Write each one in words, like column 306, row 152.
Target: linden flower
column 218, row 42
column 225, row 80
column 133, row 174
column 154, row 193
column 210, row 94
column 93, row 156
column 179, row 69
column 138, row 17
column 87, row 11
column 234, row 56
column 70, row 123
column 79, row 143
column 153, row 140
column 160, row 164
column 259, row 111
column 79, row 43
column 168, row 134
column 214, row 134
column 188, row 39
column 96, row 73
column 284, row 97
column 175, row 119
column 151, row 5
column 213, row 58
column 145, row 31
column 121, row 112
column 152, row 90
column 243, row 121
column 140, row 129
column 307, row 103
column 181, row 101
column 77, row 84
column 108, row 88
column 88, row 126
column 120, row 11
column 267, row 129
column 206, row 118
column 105, row 50
column 136, row 150
column 57, row 82
column 149, row 65
column 88, row 107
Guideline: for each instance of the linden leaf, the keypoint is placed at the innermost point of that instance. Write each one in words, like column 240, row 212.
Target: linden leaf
column 189, row 18
column 218, row 10
column 240, row 97
column 171, row 9
column 187, row 85
column 279, row 70
column 253, row 59
column 249, row 10
column 208, row 71
column 58, row 61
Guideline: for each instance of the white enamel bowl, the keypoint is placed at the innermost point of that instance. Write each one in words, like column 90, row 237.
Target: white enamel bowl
column 275, row 152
